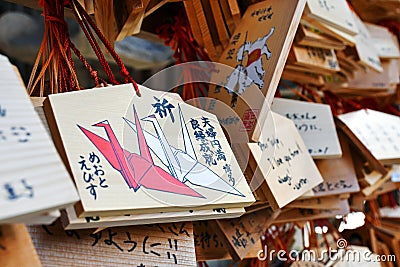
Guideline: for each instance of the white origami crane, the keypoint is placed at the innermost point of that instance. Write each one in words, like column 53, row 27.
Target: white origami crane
column 183, row 165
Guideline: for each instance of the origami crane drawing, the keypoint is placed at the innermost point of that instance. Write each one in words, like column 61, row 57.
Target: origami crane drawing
column 183, row 165
column 137, row 169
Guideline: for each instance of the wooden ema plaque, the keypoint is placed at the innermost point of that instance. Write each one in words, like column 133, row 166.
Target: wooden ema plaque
column 16, row 247
column 369, row 79
column 383, row 185
column 257, row 52
column 33, row 179
column 339, row 174
column 142, row 246
column 212, row 23
column 332, row 17
column 308, row 35
column 71, row 221
column 378, row 131
column 335, row 13
column 283, row 161
column 210, row 243
column 241, row 234
column 145, row 154
column 362, row 150
column 303, row 77
column 315, row 125
column 365, row 51
column 384, row 41
column 314, row 58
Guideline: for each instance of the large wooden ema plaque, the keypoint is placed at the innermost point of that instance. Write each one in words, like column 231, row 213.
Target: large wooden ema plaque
column 145, row 154
column 142, row 246
column 256, row 53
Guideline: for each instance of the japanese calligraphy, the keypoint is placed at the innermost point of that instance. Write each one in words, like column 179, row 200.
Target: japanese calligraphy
column 206, row 238
column 235, row 38
column 175, row 229
column 315, row 124
column 230, row 53
column 229, row 120
column 244, row 232
column 378, row 131
column 331, row 186
column 139, row 243
column 263, row 13
column 242, row 238
column 19, row 134
column 301, row 116
column 130, row 241
column 92, row 173
column 3, row 112
column 15, row 190
column 300, row 183
column 228, row 170
column 162, row 107
column 324, row 4
column 129, row 244
column 210, row 147
column 304, row 127
column 109, row 240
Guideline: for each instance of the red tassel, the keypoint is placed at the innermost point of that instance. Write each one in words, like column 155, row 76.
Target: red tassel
column 178, row 36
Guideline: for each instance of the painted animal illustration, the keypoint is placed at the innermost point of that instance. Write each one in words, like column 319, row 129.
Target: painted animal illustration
column 252, row 71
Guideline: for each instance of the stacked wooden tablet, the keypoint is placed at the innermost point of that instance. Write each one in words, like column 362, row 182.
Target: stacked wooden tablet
column 147, row 159
column 213, row 23
column 278, row 161
column 155, row 159
column 334, row 49
column 34, row 182
column 297, row 146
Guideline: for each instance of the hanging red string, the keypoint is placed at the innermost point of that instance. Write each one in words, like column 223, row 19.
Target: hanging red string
column 84, row 18
column 56, row 46
column 340, row 105
column 179, row 37
column 54, row 52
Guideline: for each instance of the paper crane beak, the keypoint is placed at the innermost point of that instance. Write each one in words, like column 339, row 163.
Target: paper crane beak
column 149, row 118
column 102, row 123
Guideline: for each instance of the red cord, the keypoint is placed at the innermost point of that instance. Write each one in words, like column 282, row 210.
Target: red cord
column 124, row 72
column 179, row 37
column 55, row 50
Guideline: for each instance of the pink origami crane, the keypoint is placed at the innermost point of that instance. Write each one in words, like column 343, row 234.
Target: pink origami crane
column 137, row 169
